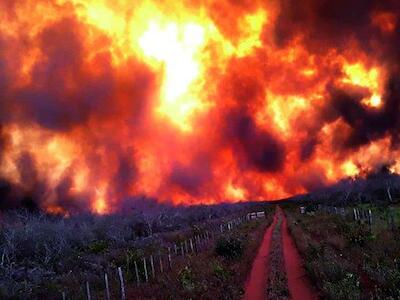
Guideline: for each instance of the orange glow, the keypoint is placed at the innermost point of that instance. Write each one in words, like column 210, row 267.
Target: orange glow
column 358, row 75
column 190, row 102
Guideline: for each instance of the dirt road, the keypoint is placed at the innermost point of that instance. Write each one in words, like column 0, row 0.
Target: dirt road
column 255, row 286
column 299, row 285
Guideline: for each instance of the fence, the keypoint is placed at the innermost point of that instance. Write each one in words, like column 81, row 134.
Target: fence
column 149, row 267
column 365, row 216
column 356, row 214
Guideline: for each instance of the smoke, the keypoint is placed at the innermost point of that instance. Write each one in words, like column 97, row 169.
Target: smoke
column 254, row 147
column 367, row 125
column 100, row 107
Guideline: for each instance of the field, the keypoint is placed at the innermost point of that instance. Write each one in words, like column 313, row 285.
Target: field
column 348, row 258
column 301, row 249
column 175, row 253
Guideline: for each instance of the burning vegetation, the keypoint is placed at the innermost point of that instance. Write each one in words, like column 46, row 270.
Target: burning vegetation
column 193, row 101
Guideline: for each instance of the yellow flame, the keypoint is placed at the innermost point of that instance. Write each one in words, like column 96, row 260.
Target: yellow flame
column 358, row 74
column 350, row 169
column 177, row 48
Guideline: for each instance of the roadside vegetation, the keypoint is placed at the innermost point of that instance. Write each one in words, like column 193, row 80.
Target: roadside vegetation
column 349, row 259
column 218, row 273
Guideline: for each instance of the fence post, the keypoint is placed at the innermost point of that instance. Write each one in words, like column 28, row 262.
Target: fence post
column 169, row 258
column 137, row 273
column 145, row 269
column 121, row 282
column 186, row 247
column 160, row 261
column 152, row 266
column 108, row 297
column 191, row 245
column 88, row 296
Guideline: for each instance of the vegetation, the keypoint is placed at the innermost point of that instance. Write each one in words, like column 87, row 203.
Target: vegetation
column 348, row 259
column 42, row 255
column 218, row 273
column 229, row 247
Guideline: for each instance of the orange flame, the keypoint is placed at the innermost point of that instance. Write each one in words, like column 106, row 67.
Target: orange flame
column 189, row 102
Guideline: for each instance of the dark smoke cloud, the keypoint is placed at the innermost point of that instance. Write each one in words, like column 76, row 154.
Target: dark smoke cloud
column 192, row 178
column 254, row 147
column 27, row 171
column 63, row 93
column 126, row 173
column 368, row 124
column 307, row 148
column 326, row 25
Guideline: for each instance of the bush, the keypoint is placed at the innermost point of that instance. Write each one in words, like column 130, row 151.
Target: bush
column 220, row 272
column 346, row 288
column 96, row 247
column 229, row 248
column 358, row 234
column 186, row 279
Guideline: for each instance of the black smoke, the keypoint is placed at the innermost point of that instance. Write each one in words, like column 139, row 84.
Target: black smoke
column 254, row 147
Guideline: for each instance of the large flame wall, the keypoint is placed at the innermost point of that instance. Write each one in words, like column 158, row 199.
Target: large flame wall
column 193, row 101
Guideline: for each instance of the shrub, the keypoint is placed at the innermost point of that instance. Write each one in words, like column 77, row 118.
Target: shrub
column 229, row 248
column 358, row 234
column 97, row 247
column 346, row 288
column 186, row 278
column 220, row 272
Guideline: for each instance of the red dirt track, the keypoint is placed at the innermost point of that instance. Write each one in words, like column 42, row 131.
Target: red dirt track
column 299, row 286
column 255, row 286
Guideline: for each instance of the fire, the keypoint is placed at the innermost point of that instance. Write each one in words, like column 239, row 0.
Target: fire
column 177, row 48
column 358, row 75
column 189, row 102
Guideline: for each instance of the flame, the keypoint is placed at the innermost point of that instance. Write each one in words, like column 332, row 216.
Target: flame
column 191, row 102
column 357, row 74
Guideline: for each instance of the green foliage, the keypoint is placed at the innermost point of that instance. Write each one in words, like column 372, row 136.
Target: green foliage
column 387, row 278
column 97, row 247
column 229, row 248
column 186, row 279
column 348, row 287
column 133, row 255
column 314, row 250
column 220, row 272
column 357, row 234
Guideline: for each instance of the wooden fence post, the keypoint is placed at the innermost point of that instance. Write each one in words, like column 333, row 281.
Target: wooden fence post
column 145, row 269
column 191, row 245
column 186, row 247
column 121, row 283
column 152, row 266
column 108, row 296
column 88, row 296
column 169, row 258
column 137, row 273
column 160, row 261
